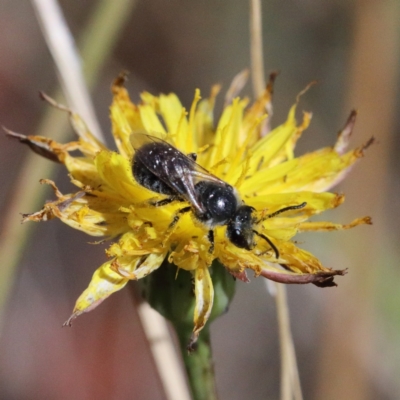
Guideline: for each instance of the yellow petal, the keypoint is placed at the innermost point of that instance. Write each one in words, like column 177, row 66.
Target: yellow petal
column 171, row 111
column 330, row 226
column 125, row 118
column 105, row 281
column 236, row 259
column 137, row 270
column 261, row 180
column 190, row 255
column 227, row 136
column 316, row 202
column 287, row 153
column 132, row 244
column 96, row 216
column 81, row 214
column 269, row 146
column 204, row 120
column 317, row 171
column 204, row 293
column 83, row 170
column 108, row 279
column 150, row 120
column 299, row 260
column 116, row 173
column 191, row 140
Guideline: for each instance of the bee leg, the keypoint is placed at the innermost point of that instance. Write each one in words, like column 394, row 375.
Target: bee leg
column 164, row 202
column 210, row 237
column 173, row 223
column 276, row 251
column 177, row 216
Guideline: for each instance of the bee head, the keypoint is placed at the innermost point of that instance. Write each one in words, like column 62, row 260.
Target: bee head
column 240, row 228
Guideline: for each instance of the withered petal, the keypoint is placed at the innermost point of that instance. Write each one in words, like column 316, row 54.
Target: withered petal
column 320, row 278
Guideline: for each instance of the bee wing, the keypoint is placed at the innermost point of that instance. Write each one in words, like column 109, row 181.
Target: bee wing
column 138, row 139
column 174, row 168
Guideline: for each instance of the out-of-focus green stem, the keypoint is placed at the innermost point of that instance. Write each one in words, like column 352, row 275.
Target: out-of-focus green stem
column 96, row 46
column 101, row 34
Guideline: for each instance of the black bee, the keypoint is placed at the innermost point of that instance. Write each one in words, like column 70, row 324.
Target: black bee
column 160, row 167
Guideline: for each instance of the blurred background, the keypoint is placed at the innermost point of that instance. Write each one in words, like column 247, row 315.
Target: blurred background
column 347, row 338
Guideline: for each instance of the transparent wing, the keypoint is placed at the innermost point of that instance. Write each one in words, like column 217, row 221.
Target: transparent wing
column 174, row 168
column 199, row 173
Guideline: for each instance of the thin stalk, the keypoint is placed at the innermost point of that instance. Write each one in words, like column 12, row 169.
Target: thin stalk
column 290, row 381
column 256, row 48
column 65, row 56
column 280, row 298
column 165, row 356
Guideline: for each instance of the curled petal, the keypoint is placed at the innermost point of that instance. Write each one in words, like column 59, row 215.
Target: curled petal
column 237, row 84
column 299, row 260
column 89, row 143
column 204, row 292
column 52, row 150
column 96, row 216
column 321, row 279
column 129, row 268
column 241, row 275
column 105, row 281
column 344, row 135
column 46, row 148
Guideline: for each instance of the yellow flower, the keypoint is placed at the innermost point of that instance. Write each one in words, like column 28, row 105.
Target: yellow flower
column 237, row 149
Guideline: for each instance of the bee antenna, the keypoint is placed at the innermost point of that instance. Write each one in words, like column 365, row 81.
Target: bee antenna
column 282, row 210
column 276, row 251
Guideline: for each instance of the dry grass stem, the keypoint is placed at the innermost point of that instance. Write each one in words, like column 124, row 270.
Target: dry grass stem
column 164, row 353
column 256, row 48
column 290, row 382
column 66, row 58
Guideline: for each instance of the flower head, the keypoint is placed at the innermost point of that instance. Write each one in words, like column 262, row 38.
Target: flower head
column 284, row 191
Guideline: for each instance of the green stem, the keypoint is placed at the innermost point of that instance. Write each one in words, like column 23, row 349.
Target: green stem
column 171, row 294
column 199, row 365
